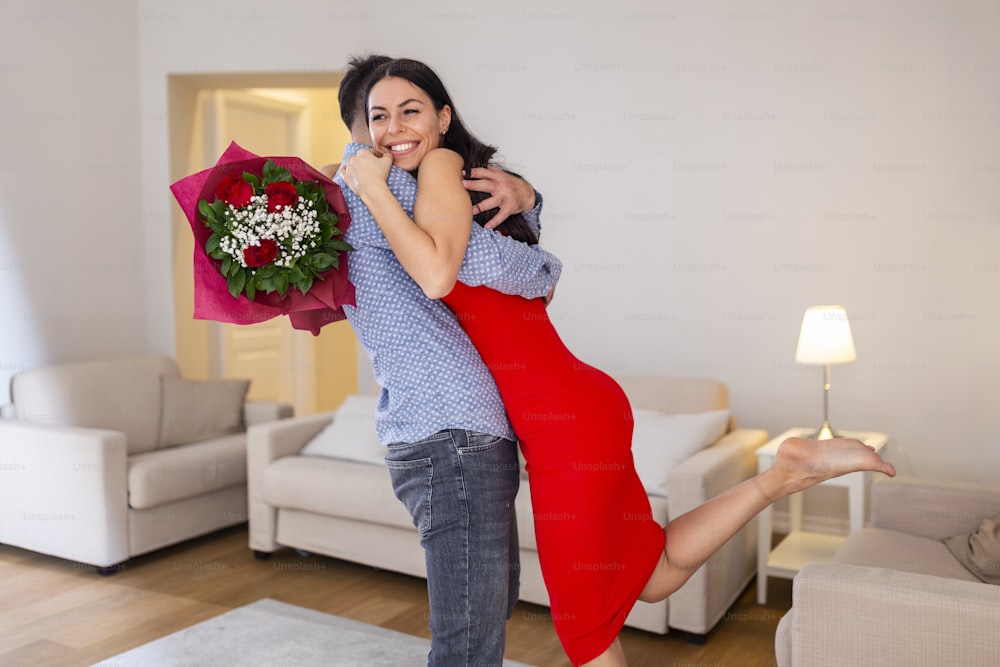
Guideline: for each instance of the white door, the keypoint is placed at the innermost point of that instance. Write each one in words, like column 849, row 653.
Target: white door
column 268, row 353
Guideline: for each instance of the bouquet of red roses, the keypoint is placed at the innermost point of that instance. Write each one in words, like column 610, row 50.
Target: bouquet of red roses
column 268, row 241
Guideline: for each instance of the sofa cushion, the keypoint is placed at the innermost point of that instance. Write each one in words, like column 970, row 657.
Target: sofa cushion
column 526, row 517
column 175, row 473
column 335, row 487
column 351, row 434
column 117, row 394
column 979, row 551
column 196, row 410
column 890, row 549
column 662, row 441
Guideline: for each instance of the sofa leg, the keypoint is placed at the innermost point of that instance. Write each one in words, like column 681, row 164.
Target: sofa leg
column 696, row 638
column 108, row 570
column 261, row 555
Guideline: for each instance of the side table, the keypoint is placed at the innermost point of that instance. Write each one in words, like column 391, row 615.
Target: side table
column 800, row 547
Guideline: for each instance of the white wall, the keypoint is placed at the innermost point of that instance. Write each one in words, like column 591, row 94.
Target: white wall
column 72, row 261
column 710, row 170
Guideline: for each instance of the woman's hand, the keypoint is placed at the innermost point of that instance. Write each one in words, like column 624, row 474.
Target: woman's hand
column 365, row 170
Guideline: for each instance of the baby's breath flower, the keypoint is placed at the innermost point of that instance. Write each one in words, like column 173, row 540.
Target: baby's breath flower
column 293, row 228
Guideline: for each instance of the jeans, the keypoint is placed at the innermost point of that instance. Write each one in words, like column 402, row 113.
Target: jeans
column 459, row 487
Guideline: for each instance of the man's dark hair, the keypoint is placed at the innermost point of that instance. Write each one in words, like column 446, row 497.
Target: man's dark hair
column 351, row 95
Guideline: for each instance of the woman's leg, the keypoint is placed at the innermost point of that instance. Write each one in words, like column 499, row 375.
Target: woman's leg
column 693, row 537
column 613, row 657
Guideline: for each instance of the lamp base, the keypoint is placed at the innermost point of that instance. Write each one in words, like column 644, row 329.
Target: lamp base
column 824, row 433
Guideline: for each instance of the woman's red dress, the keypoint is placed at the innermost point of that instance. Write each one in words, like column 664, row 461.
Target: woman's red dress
column 597, row 541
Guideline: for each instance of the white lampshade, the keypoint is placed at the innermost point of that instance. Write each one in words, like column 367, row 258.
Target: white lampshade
column 825, row 337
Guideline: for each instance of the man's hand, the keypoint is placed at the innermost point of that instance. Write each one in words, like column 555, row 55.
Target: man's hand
column 507, row 192
column 548, row 297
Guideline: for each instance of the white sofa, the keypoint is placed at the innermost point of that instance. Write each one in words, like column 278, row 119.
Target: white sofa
column 346, row 508
column 104, row 460
column 895, row 594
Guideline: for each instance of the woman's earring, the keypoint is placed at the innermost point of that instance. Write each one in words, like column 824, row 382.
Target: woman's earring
column 445, row 130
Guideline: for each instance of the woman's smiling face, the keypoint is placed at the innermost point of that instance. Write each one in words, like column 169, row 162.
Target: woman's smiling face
column 403, row 121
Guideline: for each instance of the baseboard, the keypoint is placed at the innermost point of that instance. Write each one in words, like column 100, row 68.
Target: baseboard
column 815, row 524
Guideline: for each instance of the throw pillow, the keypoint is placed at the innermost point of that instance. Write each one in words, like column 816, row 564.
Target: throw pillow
column 661, row 441
column 351, row 435
column 194, row 410
column 979, row 551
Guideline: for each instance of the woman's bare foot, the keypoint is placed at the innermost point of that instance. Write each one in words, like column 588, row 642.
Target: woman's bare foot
column 802, row 463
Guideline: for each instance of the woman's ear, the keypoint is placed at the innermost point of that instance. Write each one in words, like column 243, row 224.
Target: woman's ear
column 444, row 118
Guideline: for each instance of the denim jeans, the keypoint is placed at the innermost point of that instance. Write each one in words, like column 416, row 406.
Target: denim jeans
column 459, row 487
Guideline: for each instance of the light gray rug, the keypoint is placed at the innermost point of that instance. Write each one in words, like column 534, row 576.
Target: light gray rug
column 275, row 634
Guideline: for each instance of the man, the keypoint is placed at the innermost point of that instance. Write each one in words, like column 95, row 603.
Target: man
column 450, row 449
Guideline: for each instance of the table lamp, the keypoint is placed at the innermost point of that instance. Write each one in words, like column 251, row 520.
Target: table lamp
column 825, row 338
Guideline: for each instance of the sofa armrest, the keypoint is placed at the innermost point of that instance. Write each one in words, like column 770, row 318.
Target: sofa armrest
column 715, row 469
column 268, row 442
column 704, row 599
column 934, row 509
column 64, row 491
column 8, row 411
column 258, row 412
column 856, row 615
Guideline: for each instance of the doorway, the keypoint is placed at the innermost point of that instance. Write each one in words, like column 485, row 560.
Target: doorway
column 312, row 374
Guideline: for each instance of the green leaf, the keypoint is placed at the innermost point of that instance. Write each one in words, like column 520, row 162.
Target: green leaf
column 212, row 243
column 227, row 263
column 204, row 209
column 216, row 217
column 273, row 173
column 236, row 283
column 305, row 284
column 295, row 274
column 281, row 284
column 252, row 179
column 322, row 261
column 249, row 289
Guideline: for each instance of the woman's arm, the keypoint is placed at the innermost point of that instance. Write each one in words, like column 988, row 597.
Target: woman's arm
column 431, row 250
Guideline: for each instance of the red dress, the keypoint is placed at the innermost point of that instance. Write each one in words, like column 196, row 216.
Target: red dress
column 597, row 541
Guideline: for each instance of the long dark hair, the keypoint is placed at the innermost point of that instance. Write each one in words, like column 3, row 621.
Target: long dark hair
column 474, row 152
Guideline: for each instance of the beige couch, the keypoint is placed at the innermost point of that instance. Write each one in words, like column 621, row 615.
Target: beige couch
column 101, row 461
column 895, row 595
column 346, row 508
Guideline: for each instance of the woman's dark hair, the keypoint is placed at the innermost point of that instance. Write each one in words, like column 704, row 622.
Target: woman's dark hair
column 474, row 152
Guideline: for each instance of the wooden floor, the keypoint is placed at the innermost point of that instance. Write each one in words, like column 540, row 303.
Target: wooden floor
column 54, row 612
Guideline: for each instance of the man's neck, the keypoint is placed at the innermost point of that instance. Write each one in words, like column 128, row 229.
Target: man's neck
column 360, row 134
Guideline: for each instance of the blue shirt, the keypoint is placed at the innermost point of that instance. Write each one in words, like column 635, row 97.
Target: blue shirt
column 431, row 376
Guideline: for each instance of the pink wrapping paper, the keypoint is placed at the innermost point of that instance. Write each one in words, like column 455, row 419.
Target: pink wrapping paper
column 212, row 301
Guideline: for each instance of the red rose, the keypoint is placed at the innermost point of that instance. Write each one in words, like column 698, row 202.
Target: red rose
column 261, row 255
column 279, row 195
column 234, row 190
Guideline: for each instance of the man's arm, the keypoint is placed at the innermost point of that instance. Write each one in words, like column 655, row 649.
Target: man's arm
column 491, row 259
column 509, row 266
column 497, row 261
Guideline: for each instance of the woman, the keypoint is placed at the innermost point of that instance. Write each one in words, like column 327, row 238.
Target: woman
column 599, row 548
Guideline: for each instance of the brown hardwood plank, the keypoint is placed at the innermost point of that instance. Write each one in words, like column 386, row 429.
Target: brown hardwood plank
column 57, row 613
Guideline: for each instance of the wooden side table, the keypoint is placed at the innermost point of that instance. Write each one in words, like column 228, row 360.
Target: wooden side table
column 800, row 547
